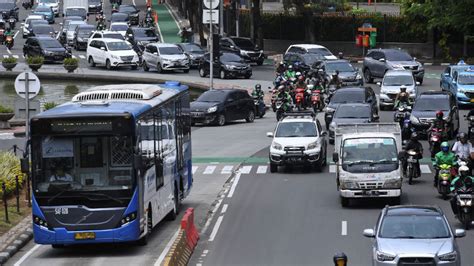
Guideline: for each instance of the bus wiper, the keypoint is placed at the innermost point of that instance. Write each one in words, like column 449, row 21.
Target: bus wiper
column 101, row 194
column 57, row 195
column 360, row 162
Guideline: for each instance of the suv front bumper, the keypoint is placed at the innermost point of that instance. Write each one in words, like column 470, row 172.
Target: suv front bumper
column 294, row 159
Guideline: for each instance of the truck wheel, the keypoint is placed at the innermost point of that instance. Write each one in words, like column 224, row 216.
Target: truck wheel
column 273, row 168
column 344, row 202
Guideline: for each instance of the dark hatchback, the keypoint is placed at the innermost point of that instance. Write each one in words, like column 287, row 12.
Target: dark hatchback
column 221, row 106
column 194, row 52
column 95, row 6
column 132, row 12
column 351, row 113
column 350, row 95
column 427, row 104
column 81, row 36
column 119, row 17
column 228, row 65
column 348, row 74
column 42, row 31
column 141, row 36
column 243, row 47
column 47, row 47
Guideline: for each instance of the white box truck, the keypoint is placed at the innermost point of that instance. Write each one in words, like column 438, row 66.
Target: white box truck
column 367, row 161
column 75, row 8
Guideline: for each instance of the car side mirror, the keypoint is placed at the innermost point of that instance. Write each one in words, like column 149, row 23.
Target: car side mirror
column 417, row 83
column 382, row 59
column 335, row 157
column 369, row 233
column 458, row 233
column 270, row 134
column 24, row 165
column 379, row 83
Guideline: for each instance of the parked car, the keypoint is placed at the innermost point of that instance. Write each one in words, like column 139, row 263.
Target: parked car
column 221, row 106
column 390, row 86
column 194, row 52
column 132, row 12
column 228, row 65
column 76, row 12
column 378, row 61
column 25, row 26
column 46, row 12
column 350, row 95
column 141, row 36
column 9, row 9
column 47, row 47
column 243, row 47
column 302, row 62
column 53, row 4
column 71, row 30
column 348, row 74
column 447, row 75
column 42, row 30
column 311, row 49
column 427, row 104
column 462, row 86
column 351, row 113
column 119, row 17
column 95, row 6
column 81, row 36
column 164, row 56
column 298, row 140
column 107, row 35
column 112, row 53
column 414, row 235
column 120, row 27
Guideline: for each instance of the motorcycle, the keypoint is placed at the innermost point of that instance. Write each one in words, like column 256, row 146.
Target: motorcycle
column 12, row 23
column 299, row 98
column 435, row 139
column 149, row 22
column 403, row 111
column 316, row 100
column 464, row 207
column 101, row 25
column 274, row 97
column 331, row 90
column 412, row 161
column 444, row 179
column 259, row 106
column 407, row 130
column 9, row 41
column 281, row 108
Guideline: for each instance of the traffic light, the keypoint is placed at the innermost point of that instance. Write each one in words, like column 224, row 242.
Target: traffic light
column 216, row 38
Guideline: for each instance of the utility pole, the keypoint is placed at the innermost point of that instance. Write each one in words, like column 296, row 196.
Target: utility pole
column 221, row 17
column 211, row 47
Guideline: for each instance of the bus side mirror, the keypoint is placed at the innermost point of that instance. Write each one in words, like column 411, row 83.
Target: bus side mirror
column 138, row 161
column 335, row 157
column 24, row 165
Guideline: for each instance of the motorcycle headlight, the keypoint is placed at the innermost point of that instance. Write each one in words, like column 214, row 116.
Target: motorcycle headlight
column 212, row 109
column 277, row 146
column 348, row 185
column 414, row 120
column 314, row 145
column 451, row 256
column 242, row 52
column 382, row 256
column 393, row 183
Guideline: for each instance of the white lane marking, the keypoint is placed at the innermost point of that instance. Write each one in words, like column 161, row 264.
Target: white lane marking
column 208, row 223
column 332, row 168
column 425, row 169
column 162, row 256
column 133, row 1
column 14, row 36
column 209, row 169
column 360, row 62
column 82, row 56
column 73, row 56
column 344, row 228
column 234, row 185
column 216, row 228
column 194, row 169
column 262, row 169
column 428, row 64
column 227, row 169
column 16, row 56
column 445, row 64
column 224, row 208
column 159, row 32
column 5, row 56
column 198, row 264
column 8, row 51
column 205, row 251
column 27, row 254
column 246, row 169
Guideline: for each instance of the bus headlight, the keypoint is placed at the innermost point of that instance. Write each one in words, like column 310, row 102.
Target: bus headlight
column 39, row 221
column 129, row 218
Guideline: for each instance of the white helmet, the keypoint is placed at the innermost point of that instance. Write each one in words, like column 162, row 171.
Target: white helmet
column 464, row 169
column 298, row 73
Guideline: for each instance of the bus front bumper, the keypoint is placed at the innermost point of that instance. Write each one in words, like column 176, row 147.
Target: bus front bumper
column 126, row 233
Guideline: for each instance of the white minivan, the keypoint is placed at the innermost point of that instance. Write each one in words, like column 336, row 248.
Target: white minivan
column 112, row 53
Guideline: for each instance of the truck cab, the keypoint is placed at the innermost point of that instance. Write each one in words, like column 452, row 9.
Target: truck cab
column 367, row 161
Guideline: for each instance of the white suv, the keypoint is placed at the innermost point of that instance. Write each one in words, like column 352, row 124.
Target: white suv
column 298, row 140
column 390, row 86
column 112, row 53
column 165, row 56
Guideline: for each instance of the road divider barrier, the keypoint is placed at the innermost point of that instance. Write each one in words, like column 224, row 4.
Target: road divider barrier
column 185, row 243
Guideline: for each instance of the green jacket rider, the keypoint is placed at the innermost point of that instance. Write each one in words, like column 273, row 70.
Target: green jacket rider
column 290, row 73
column 445, row 156
column 257, row 92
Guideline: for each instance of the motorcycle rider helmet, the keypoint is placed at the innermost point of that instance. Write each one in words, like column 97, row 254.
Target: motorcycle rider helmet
column 258, row 87
column 281, row 88
column 445, row 146
column 439, row 115
column 403, row 89
column 414, row 136
column 297, row 74
column 148, row 9
column 462, row 137
column 290, row 67
column 301, row 78
column 463, row 171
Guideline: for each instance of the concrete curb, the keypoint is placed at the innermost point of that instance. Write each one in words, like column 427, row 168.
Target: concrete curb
column 21, row 239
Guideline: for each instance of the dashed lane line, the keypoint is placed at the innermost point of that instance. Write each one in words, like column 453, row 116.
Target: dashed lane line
column 216, row 228
column 246, row 169
column 227, row 169
column 344, row 228
column 262, row 169
column 234, row 185
column 224, row 208
column 27, row 254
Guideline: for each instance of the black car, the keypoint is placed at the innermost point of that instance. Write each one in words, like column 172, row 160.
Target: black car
column 35, row 23
column 47, row 47
column 119, row 17
column 348, row 74
column 302, row 62
column 427, row 104
column 244, row 47
column 351, row 113
column 140, row 37
column 221, row 106
column 132, row 12
column 228, row 65
column 95, row 6
column 81, row 36
column 350, row 95
column 42, row 30
column 194, row 52
column 9, row 9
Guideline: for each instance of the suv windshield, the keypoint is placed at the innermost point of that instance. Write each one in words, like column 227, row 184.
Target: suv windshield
column 432, row 103
column 118, row 46
column 393, row 55
column 348, row 97
column 127, row 9
column 296, row 130
column 170, row 50
column 244, row 43
column 85, row 31
column 144, row 33
column 212, row 96
column 466, row 79
column 341, row 66
column 350, row 111
column 118, row 27
column 43, row 9
column 114, row 36
column 398, row 80
column 43, row 29
column 321, row 51
column 414, row 226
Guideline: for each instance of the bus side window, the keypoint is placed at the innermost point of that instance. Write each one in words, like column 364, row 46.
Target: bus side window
column 158, row 149
column 147, row 143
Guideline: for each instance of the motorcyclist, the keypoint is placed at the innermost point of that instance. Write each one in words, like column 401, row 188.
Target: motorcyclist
column 462, row 182
column 284, row 96
column 463, row 150
column 445, row 156
column 402, row 97
column 148, row 13
column 335, row 80
column 439, row 123
column 290, row 73
column 258, row 92
column 8, row 31
column 281, row 68
column 414, row 144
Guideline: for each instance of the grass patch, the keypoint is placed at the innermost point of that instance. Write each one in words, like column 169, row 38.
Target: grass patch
column 13, row 216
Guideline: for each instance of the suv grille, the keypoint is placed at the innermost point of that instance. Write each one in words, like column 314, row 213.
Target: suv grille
column 416, row 262
column 370, row 185
column 392, row 96
column 127, row 58
column 294, row 150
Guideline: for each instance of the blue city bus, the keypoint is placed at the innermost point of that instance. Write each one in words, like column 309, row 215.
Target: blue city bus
column 111, row 164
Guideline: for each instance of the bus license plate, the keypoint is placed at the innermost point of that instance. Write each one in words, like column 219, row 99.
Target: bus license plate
column 84, row 236
column 472, row 100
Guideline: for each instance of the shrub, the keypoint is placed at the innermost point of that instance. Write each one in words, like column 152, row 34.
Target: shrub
column 9, row 60
column 5, row 110
column 71, row 62
column 49, row 105
column 9, row 168
column 35, row 60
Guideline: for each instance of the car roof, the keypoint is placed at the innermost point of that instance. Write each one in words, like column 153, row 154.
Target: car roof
column 110, row 40
column 159, row 45
column 336, row 61
column 351, row 89
column 85, row 26
column 119, row 23
column 413, row 210
column 116, row 14
column 307, row 46
column 35, row 17
column 72, row 18
column 388, row 50
column 398, row 73
column 39, row 38
column 41, row 26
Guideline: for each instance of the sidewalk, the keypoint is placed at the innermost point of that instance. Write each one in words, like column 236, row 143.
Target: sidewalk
column 167, row 25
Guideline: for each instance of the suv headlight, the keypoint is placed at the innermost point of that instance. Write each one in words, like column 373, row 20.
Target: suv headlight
column 277, row 146
column 114, row 56
column 212, row 109
column 393, row 183
column 451, row 256
column 358, row 76
column 314, row 145
column 242, row 52
column 348, row 185
column 382, row 256
column 461, row 90
column 397, row 67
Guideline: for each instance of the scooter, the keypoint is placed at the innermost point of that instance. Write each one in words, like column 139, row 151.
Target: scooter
column 149, row 22
column 9, row 41
column 401, row 113
column 259, row 106
column 299, row 98
column 407, row 130
column 412, row 161
column 101, row 25
column 435, row 139
column 273, row 100
column 282, row 107
column 464, row 207
column 315, row 100
column 444, row 180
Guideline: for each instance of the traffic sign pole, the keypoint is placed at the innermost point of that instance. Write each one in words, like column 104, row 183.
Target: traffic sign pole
column 211, row 47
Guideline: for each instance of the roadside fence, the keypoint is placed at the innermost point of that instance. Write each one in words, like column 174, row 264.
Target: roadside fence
column 5, row 198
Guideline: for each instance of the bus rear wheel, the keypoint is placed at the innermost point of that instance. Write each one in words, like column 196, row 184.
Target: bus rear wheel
column 175, row 211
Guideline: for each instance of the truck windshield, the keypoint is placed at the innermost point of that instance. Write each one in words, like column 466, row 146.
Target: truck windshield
column 296, row 130
column 369, row 152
